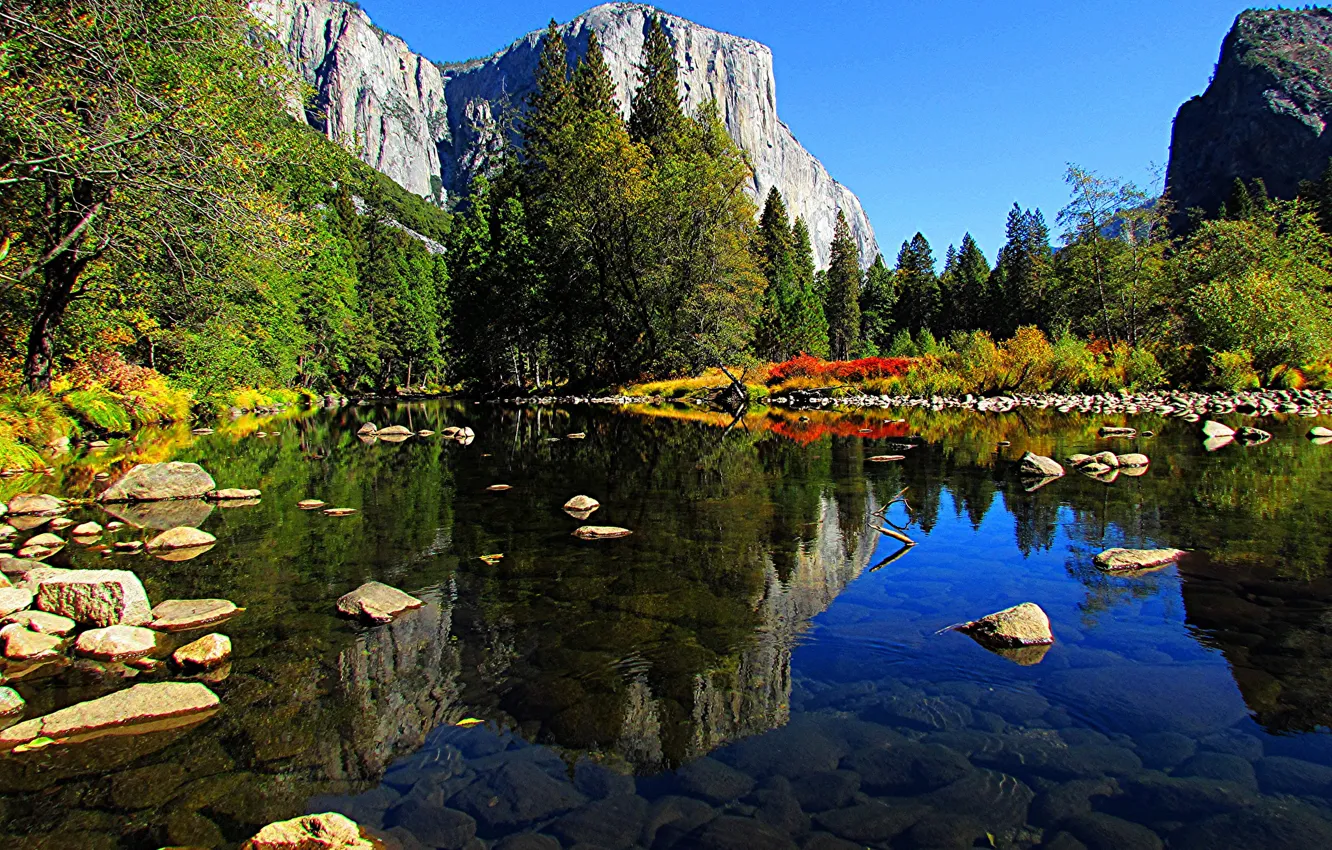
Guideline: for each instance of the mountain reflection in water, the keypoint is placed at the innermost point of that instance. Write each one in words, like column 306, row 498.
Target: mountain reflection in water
column 735, row 667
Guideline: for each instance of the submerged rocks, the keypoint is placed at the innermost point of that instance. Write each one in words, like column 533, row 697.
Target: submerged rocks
column 42, row 622
column 116, row 643
column 182, row 615
column 377, row 602
column 600, row 532
column 1021, row 625
column 205, row 653
column 1124, row 560
column 1039, row 466
column 164, row 704
column 98, row 597
column 153, row 482
column 328, row 831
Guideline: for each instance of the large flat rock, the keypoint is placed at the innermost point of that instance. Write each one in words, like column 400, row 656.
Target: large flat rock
column 98, row 597
column 154, row 482
column 376, row 602
column 155, row 705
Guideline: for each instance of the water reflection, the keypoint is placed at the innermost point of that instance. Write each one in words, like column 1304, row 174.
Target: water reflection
column 742, row 619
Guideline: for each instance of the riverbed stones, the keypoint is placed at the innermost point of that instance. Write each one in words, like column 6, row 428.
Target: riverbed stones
column 327, row 831
column 395, row 431
column 1022, row 625
column 232, row 494
column 42, row 622
column 600, row 532
column 1039, row 466
column 153, row 482
column 162, row 704
column 205, row 653
column 183, row 615
column 1124, row 560
column 41, row 546
column 909, row 768
column 116, row 643
column 310, row 504
column 20, row 644
column 516, row 794
column 582, row 504
column 35, row 504
column 97, row 597
column 14, row 599
column 180, row 537
column 376, row 602
column 711, row 780
column 11, row 704
column 85, row 531
column 1133, row 460
column 1212, row 429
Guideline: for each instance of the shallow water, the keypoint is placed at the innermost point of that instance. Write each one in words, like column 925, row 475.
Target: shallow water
column 751, row 667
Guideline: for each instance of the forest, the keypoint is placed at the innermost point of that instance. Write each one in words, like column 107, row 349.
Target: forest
column 173, row 239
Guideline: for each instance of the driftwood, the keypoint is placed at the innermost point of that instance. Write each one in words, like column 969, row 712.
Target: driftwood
column 896, row 535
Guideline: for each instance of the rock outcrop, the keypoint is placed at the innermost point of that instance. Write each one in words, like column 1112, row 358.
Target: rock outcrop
column 432, row 128
column 1263, row 114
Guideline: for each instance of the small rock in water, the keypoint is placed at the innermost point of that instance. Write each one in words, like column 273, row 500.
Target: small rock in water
column 1118, row 560
column 163, row 704
column 60, row 523
column 205, row 653
column 180, row 537
column 114, row 525
column 151, row 482
column 1106, row 459
column 425, row 432
column 1211, row 428
column 328, row 831
column 116, row 643
column 498, row 488
column 366, row 430
column 581, row 436
column 230, row 494
column 1213, row 444
column 35, row 504
column 1021, row 625
column 600, row 532
column 42, row 622
column 182, row 615
column 1318, row 432
column 86, row 530
column 1117, row 431
column 1038, row 465
column 1252, row 436
column 201, row 431
column 886, row 458
column 41, row 546
column 582, row 504
column 339, row 511
column 129, row 547
column 377, row 602
column 1133, row 461
column 394, row 431
column 310, row 504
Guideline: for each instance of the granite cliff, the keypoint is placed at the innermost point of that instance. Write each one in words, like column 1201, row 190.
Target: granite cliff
column 433, row 127
column 1264, row 114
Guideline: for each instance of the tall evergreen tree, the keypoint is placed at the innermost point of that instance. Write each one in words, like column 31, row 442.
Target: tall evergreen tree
column 842, row 306
column 806, row 323
column 876, row 308
column 965, row 288
column 918, row 301
column 1021, row 283
column 773, row 245
column 593, row 86
column 656, row 114
column 550, row 106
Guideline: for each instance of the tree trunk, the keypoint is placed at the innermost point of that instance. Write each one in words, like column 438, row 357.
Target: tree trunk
column 60, row 275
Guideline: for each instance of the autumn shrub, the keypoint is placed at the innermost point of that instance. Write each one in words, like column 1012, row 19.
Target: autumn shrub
column 841, row 371
column 29, row 421
column 98, row 409
column 1233, row 371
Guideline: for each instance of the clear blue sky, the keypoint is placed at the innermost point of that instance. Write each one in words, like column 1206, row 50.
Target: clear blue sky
column 939, row 115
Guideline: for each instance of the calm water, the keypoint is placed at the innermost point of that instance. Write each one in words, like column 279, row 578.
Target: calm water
column 752, row 668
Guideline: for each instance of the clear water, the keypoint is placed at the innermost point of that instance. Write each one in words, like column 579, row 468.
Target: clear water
column 745, row 670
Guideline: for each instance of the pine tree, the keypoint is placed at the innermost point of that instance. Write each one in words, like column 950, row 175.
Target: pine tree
column 1319, row 194
column 843, row 301
column 806, row 324
column 773, row 246
column 918, row 302
column 550, row 106
column 876, row 308
column 967, row 294
column 1022, row 278
column 593, row 86
column 655, row 111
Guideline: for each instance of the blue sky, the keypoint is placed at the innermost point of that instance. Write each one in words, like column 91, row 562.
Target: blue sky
column 939, row 115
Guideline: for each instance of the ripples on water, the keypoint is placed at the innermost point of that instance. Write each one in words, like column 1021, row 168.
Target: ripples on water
column 745, row 670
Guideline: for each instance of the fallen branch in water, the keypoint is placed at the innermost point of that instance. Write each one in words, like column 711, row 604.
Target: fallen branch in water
column 896, row 535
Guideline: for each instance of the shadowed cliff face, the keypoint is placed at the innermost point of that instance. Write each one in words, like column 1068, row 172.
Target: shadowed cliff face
column 1264, row 113
column 433, row 128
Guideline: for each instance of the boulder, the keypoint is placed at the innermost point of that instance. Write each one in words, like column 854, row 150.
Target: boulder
column 231, row 494
column 98, row 597
column 181, row 537
column 116, row 643
column 205, row 653
column 21, row 644
column 1212, row 429
column 1120, row 560
column 86, row 530
column 42, row 622
column 154, row 482
column 1037, row 465
column 582, row 504
column 162, row 704
column 182, row 615
column 14, row 599
column 1021, row 625
column 1133, row 461
column 376, row 602
column 600, row 532
column 328, row 831
column 35, row 504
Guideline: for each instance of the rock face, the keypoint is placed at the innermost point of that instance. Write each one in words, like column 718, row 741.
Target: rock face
column 1263, row 115
column 432, row 128
column 152, row 482
column 158, row 703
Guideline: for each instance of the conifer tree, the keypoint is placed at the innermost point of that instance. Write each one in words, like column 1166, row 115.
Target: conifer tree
column 876, row 308
column 1023, row 277
column 965, row 284
column 806, row 324
column 593, row 86
column 550, row 106
column 774, row 252
column 655, row 111
column 843, row 300
column 918, row 301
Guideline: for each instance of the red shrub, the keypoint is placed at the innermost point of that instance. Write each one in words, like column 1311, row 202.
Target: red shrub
column 807, row 366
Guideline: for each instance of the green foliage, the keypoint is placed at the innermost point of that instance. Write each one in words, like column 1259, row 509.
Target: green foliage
column 99, row 409
column 1233, row 371
column 842, row 301
column 919, row 299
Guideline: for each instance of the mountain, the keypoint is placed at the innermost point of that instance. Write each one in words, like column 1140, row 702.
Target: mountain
column 432, row 127
column 1264, row 113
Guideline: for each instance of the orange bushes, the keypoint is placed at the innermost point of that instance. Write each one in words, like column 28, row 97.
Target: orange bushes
column 868, row 368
